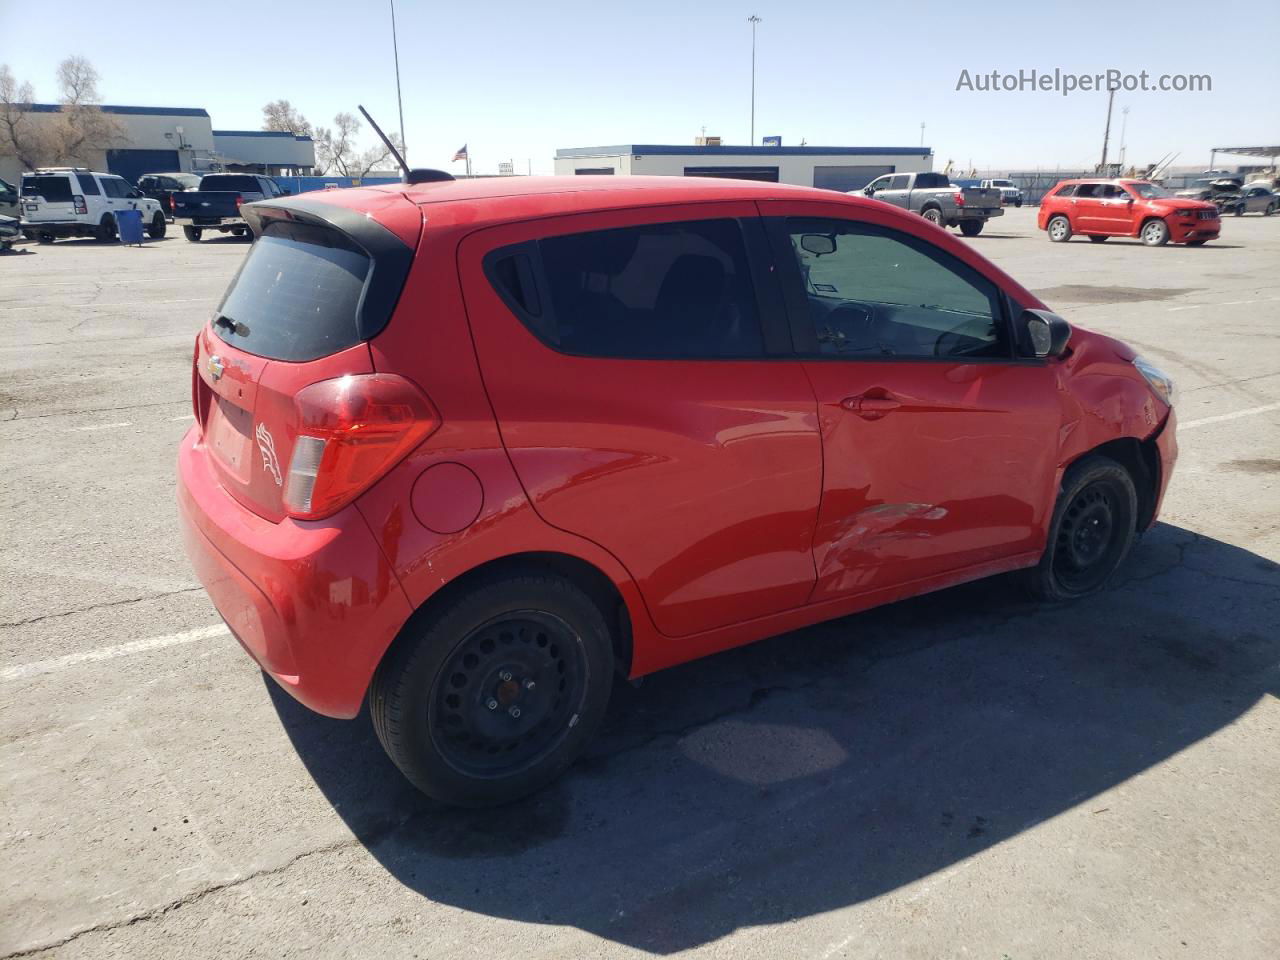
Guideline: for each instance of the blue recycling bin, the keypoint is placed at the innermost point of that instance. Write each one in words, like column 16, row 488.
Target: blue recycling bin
column 129, row 226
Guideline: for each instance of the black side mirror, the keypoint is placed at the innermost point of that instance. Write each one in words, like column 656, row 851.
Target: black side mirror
column 1046, row 332
column 869, row 191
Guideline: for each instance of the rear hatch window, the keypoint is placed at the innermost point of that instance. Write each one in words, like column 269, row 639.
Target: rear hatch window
column 297, row 296
column 230, row 182
column 53, row 189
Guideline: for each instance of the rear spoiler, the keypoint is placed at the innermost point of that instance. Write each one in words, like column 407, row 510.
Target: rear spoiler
column 389, row 256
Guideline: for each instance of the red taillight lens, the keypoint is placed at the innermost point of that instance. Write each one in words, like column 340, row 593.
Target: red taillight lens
column 79, row 204
column 239, row 200
column 959, row 199
column 351, row 431
column 171, row 208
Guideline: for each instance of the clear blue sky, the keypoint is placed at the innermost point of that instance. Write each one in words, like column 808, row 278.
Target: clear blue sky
column 517, row 80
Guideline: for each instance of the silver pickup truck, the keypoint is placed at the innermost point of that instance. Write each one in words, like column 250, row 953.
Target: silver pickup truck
column 934, row 197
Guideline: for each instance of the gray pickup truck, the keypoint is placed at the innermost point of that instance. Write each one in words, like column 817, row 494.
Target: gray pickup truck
column 938, row 200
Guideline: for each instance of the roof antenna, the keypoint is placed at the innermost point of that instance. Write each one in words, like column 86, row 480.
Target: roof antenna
column 417, row 175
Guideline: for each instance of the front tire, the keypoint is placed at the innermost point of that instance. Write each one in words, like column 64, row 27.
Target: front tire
column 192, row 234
column 497, row 693
column 971, row 228
column 933, row 215
column 1155, row 233
column 158, row 226
column 1058, row 228
column 1094, row 526
column 1271, row 208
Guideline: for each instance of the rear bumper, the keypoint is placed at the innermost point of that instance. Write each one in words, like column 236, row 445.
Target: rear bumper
column 314, row 603
column 1166, row 440
column 208, row 223
column 976, row 213
column 57, row 228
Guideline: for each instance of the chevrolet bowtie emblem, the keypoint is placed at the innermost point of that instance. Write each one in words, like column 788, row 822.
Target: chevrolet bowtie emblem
column 216, row 367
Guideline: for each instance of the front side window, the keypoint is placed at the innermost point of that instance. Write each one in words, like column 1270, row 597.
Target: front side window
column 668, row 290
column 881, row 183
column 874, row 293
column 1149, row 191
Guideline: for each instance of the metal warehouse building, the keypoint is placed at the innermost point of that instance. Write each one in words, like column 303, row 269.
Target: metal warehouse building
column 158, row 139
column 835, row 168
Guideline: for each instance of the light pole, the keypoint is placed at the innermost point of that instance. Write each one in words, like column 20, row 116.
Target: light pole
column 395, row 48
column 922, row 133
column 1106, row 134
column 753, row 20
column 1124, row 125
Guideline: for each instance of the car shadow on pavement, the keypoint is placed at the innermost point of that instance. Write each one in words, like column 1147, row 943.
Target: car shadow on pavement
column 835, row 764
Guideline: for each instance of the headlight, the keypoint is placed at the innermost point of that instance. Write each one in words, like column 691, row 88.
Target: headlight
column 1160, row 381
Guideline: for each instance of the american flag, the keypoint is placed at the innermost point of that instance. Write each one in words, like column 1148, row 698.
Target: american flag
column 461, row 154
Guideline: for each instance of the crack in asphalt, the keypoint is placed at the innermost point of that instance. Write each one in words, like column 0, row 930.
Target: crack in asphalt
column 97, row 606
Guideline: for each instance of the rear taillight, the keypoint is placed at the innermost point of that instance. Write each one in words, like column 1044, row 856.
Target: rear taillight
column 959, row 199
column 171, row 207
column 195, row 383
column 351, row 431
column 79, row 204
column 239, row 200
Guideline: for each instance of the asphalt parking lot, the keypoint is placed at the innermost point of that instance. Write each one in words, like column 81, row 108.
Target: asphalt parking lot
column 965, row 774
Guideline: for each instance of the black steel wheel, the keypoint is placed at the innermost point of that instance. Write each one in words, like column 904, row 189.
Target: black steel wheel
column 1094, row 526
column 496, row 694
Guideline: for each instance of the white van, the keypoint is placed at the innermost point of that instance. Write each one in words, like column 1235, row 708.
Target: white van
column 75, row 202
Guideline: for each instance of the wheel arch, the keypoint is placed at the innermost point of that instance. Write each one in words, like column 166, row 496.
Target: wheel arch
column 1141, row 459
column 586, row 576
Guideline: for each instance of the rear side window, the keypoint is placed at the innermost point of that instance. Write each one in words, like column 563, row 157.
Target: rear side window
column 297, row 296
column 928, row 181
column 1068, row 191
column 55, row 189
column 88, row 185
column 230, row 182
column 115, row 187
column 900, row 181
column 671, row 290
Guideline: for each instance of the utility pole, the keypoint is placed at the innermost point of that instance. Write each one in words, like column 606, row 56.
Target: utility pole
column 1106, row 134
column 753, row 20
column 395, row 48
column 1124, row 126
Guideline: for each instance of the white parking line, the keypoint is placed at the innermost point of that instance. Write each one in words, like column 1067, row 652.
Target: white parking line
column 1224, row 303
column 39, row 667
column 106, row 426
column 1252, row 411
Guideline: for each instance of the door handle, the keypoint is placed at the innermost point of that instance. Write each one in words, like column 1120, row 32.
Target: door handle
column 871, row 407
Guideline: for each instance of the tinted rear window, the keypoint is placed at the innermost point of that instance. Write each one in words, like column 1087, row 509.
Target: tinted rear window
column 53, row 189
column 297, row 297
column 229, row 182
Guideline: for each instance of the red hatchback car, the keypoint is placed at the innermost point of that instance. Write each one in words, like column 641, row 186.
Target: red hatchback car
column 1100, row 209
column 469, row 449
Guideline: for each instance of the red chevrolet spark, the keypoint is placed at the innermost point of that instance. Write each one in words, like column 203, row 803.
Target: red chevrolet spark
column 469, row 449
column 1100, row 209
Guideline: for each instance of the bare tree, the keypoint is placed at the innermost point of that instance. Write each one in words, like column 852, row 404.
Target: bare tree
column 82, row 130
column 18, row 135
column 77, row 81
column 282, row 115
column 337, row 149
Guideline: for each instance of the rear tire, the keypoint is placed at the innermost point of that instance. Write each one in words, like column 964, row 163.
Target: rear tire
column 496, row 694
column 1094, row 526
column 158, row 226
column 1155, row 233
column 192, row 234
column 971, row 228
column 1096, row 238
column 1058, row 228
column 45, row 238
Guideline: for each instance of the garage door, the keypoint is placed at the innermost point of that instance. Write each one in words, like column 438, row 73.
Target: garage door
column 768, row 174
column 848, row 178
column 131, row 164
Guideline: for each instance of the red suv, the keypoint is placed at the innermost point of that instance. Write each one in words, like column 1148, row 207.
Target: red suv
column 470, row 449
column 1126, row 208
